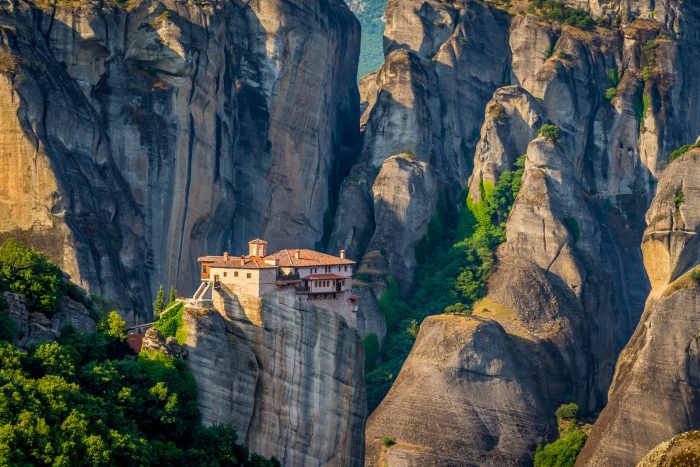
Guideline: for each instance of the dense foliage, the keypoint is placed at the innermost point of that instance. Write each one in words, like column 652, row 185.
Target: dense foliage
column 572, row 436
column 29, row 273
column 86, row 399
column 557, row 10
column 454, row 267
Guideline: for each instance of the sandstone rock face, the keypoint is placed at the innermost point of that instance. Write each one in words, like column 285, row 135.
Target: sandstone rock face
column 427, row 100
column 683, row 449
column 656, row 387
column 288, row 375
column 36, row 327
column 159, row 131
column 570, row 284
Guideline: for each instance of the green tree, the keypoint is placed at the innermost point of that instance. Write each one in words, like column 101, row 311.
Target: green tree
column 173, row 295
column 159, row 303
column 113, row 326
column 413, row 328
column 29, row 273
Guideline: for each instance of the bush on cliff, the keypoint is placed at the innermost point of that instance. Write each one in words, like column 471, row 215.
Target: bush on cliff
column 27, row 272
column 682, row 150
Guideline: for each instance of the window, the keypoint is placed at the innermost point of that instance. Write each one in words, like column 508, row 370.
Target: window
column 235, row 274
column 204, row 268
column 247, row 275
column 346, row 268
column 225, row 274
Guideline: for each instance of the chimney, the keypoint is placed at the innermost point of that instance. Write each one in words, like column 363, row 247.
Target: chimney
column 225, row 255
column 242, row 261
column 297, row 254
column 342, row 254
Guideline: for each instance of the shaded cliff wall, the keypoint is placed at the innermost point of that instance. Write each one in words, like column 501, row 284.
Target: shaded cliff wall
column 288, row 375
column 569, row 286
column 190, row 128
column 656, row 389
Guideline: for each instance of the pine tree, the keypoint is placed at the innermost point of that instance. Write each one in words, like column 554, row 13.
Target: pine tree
column 159, row 304
column 173, row 295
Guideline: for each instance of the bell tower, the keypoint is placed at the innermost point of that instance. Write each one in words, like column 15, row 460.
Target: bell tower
column 257, row 247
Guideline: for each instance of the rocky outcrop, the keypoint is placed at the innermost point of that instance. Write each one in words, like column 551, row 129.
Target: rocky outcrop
column 140, row 136
column 287, row 374
column 569, row 284
column 426, row 101
column 36, row 327
column 656, row 387
column 153, row 339
column 683, row 449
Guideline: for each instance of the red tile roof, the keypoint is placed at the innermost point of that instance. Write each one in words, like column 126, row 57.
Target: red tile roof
column 234, row 262
column 307, row 258
column 287, row 258
column 320, row 277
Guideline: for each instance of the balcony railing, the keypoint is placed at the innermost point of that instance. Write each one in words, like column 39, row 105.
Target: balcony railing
column 302, row 289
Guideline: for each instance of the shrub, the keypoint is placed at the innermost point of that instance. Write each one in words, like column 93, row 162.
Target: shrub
column 549, row 131
column 388, row 441
column 370, row 343
column 695, row 275
column 610, row 93
column 572, row 226
column 678, row 199
column 458, row 308
column 27, row 272
column 567, row 411
column 613, row 77
column 562, row 452
column 682, row 150
column 413, row 329
column 113, row 326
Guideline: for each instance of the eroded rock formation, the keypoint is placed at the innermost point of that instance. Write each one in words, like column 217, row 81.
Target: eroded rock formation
column 656, row 389
column 287, row 374
column 138, row 137
column 35, row 327
column 570, row 284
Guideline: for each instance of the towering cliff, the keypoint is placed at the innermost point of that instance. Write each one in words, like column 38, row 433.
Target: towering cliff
column 137, row 136
column 657, row 380
column 569, row 285
column 287, row 374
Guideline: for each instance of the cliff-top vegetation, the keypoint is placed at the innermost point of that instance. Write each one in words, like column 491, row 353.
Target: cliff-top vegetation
column 86, row 399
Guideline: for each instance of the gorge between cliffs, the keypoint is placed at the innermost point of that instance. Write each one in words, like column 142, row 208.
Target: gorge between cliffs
column 518, row 184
